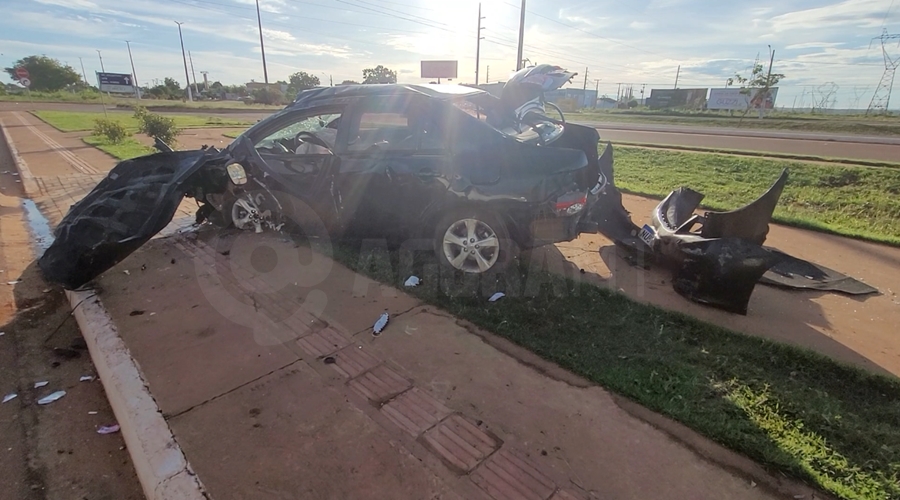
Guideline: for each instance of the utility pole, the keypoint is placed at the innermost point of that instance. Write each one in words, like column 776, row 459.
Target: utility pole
column 771, row 60
column 881, row 99
column 677, row 74
column 519, row 61
column 205, row 80
column 584, row 87
column 596, row 94
column 137, row 87
column 618, row 92
column 191, row 59
column 262, row 47
column 487, row 77
column 83, row 73
column 478, row 45
column 187, row 79
column 101, row 61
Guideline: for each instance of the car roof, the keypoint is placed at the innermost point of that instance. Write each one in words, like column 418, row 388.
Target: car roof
column 436, row 91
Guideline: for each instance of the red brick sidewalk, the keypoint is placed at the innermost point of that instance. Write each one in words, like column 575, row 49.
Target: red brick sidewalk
column 275, row 387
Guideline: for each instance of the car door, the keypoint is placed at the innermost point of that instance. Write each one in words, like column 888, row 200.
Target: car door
column 303, row 170
column 392, row 166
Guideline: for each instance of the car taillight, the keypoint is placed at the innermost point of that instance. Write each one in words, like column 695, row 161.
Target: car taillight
column 571, row 203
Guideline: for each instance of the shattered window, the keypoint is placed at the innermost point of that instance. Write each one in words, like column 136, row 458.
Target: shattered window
column 324, row 126
column 384, row 130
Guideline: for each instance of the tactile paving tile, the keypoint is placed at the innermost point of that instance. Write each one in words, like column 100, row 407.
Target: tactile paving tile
column 351, row 361
column 323, row 342
column 380, row 384
column 460, row 443
column 415, row 411
column 509, row 475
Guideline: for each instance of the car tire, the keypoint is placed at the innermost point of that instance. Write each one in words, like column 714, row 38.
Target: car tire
column 479, row 225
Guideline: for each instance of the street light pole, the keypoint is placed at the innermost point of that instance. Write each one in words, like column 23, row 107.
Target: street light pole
column 519, row 62
column 101, row 61
column 137, row 87
column 83, row 72
column 191, row 59
column 478, row 45
column 262, row 47
column 187, row 78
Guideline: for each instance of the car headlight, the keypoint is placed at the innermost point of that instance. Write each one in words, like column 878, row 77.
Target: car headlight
column 236, row 173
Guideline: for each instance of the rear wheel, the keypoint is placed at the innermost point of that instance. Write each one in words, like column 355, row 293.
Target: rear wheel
column 474, row 241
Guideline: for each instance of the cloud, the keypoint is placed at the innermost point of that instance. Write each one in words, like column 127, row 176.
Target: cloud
column 813, row 45
column 848, row 13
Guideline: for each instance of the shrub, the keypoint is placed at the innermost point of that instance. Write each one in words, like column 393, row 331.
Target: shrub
column 112, row 130
column 159, row 127
column 139, row 112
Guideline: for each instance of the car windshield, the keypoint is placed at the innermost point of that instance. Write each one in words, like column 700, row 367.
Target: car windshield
column 314, row 124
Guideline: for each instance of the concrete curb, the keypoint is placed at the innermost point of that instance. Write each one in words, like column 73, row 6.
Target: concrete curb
column 161, row 466
column 28, row 183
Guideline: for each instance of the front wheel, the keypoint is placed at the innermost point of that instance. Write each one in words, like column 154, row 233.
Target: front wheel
column 474, row 241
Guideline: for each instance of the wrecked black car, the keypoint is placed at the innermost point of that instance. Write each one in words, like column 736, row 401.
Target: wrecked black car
column 480, row 175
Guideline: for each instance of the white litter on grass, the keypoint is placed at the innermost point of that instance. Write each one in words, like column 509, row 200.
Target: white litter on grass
column 38, row 385
column 9, row 397
column 108, row 429
column 497, row 296
column 380, row 324
column 127, row 273
column 86, row 378
column 51, row 398
column 412, row 281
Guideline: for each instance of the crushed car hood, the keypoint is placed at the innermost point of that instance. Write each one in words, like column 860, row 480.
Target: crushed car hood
column 136, row 200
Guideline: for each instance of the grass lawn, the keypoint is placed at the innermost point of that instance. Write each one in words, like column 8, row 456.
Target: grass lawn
column 69, row 121
column 125, row 150
column 790, row 409
column 860, row 202
column 841, row 124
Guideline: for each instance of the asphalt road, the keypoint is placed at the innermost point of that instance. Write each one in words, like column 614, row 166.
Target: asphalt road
column 858, row 147
column 799, row 143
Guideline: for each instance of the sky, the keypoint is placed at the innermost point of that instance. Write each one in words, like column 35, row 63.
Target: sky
column 820, row 45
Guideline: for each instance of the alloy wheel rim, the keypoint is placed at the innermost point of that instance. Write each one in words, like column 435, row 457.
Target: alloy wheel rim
column 471, row 246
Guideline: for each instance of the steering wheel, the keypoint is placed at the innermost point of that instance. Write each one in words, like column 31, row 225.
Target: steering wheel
column 304, row 136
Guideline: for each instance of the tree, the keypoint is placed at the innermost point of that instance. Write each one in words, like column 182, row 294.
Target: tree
column 46, row 74
column 379, row 74
column 300, row 81
column 349, row 82
column 757, row 78
column 756, row 88
column 268, row 96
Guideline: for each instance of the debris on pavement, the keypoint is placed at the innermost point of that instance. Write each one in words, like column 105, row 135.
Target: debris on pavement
column 38, row 385
column 329, row 360
column 127, row 272
column 380, row 324
column 497, row 296
column 92, row 413
column 86, row 378
column 51, row 398
column 108, row 429
column 9, row 397
column 412, row 281
column 15, row 282
column 2, row 334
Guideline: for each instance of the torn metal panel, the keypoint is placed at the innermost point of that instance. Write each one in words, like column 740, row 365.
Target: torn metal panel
column 799, row 274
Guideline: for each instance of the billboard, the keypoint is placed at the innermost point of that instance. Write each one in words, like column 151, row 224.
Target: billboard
column 741, row 99
column 118, row 83
column 439, row 69
column 677, row 98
